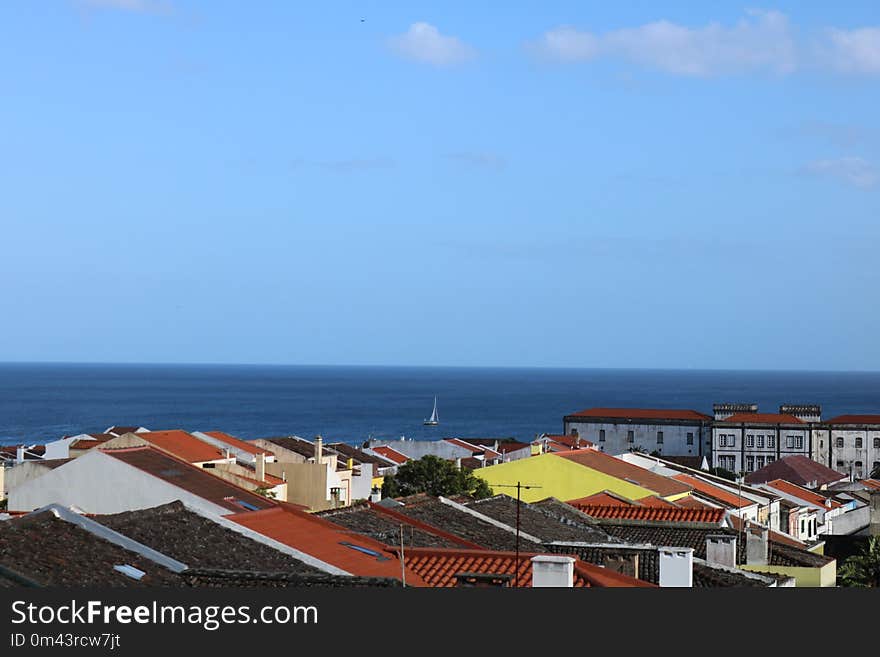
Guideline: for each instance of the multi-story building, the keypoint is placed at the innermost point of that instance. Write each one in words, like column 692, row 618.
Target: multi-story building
column 744, row 440
column 667, row 432
column 851, row 444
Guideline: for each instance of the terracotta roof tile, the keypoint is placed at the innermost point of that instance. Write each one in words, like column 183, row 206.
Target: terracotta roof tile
column 714, row 516
column 804, row 494
column 871, row 483
column 570, row 442
column 391, row 454
column 854, row 419
column 438, row 568
column 620, row 469
column 354, row 553
column 715, row 492
column 232, row 441
column 763, row 418
column 643, row 414
column 692, row 502
column 183, row 446
column 605, row 498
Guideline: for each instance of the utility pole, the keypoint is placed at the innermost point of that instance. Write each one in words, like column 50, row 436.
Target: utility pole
column 519, row 486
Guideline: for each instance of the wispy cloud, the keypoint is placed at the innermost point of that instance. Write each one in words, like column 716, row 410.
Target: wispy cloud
column 424, row 43
column 852, row 51
column 762, row 41
column 137, row 6
column 481, row 160
column 854, row 171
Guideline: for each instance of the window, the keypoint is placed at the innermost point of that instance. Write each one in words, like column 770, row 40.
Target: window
column 759, row 462
column 770, row 460
column 875, row 465
column 750, row 440
column 840, row 465
column 727, row 440
column 630, row 438
column 789, row 441
column 876, row 443
column 750, row 463
column 573, row 432
column 659, row 437
column 859, row 442
column 812, row 527
column 799, row 442
column 601, row 435
column 727, row 462
column 858, row 465
column 760, row 442
column 771, row 441
column 839, row 442
column 690, row 439
column 803, row 526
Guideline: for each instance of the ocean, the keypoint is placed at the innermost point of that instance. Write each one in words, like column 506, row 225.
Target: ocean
column 40, row 402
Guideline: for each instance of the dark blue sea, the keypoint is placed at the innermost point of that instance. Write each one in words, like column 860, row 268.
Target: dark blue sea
column 40, row 402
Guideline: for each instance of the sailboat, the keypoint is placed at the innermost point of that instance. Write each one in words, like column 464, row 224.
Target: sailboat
column 434, row 419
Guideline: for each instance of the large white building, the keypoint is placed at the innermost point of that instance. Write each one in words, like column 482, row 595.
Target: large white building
column 851, row 444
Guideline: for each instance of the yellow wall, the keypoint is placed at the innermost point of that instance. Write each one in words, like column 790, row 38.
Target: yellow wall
column 824, row 576
column 558, row 477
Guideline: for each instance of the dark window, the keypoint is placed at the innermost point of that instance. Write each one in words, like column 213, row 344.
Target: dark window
column 858, row 465
column 859, row 442
column 690, row 439
column 659, row 437
column 839, row 464
column 750, row 463
column 573, row 432
column 838, row 442
column 876, row 443
column 875, row 465
column 630, row 437
column 601, row 435
column 789, row 441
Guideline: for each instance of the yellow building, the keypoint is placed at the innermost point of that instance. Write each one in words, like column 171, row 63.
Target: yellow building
column 579, row 473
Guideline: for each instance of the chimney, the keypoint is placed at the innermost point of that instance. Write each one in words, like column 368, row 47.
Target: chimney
column 721, row 549
column 319, row 448
column 19, row 454
column 551, row 570
column 623, row 564
column 375, row 494
column 349, row 464
column 260, row 467
column 756, row 546
column 676, row 566
column 458, row 463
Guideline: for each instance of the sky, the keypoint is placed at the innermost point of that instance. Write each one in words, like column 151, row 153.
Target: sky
column 562, row 184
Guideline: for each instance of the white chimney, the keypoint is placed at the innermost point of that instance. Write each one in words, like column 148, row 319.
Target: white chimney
column 721, row 549
column 319, row 448
column 676, row 566
column 756, row 546
column 375, row 494
column 19, row 454
column 550, row 570
column 260, row 467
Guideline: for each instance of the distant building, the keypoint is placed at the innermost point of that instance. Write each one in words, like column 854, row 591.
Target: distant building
column 675, row 432
column 851, row 445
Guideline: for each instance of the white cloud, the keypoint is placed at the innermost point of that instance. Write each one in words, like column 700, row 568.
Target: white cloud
column 851, row 170
column 852, row 51
column 763, row 41
column 423, row 42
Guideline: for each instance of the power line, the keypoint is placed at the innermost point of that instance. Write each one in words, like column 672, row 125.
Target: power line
column 519, row 486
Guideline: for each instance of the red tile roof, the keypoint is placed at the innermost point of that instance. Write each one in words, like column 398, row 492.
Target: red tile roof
column 438, row 568
column 854, row 419
column 605, row 498
column 189, row 478
column 391, row 454
column 715, row 492
column 570, row 442
column 798, row 469
column 232, row 441
column 183, row 446
column 763, row 418
column 620, row 469
column 871, row 483
column 643, row 414
column 327, row 541
column 692, row 502
column 656, row 502
column 800, row 493
column 675, row 514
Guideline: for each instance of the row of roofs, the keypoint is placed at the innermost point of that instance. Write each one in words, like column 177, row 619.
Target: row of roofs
column 744, row 413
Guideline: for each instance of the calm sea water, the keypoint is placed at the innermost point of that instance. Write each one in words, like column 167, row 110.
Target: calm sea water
column 41, row 402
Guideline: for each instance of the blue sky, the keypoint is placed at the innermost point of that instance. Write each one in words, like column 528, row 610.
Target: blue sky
column 660, row 184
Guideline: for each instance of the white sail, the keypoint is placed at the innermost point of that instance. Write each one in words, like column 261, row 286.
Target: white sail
column 434, row 419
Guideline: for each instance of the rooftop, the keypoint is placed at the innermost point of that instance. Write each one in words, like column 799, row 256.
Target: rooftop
column 714, row 516
column 798, row 469
column 620, row 469
column 189, row 478
column 183, row 446
column 714, row 492
column 643, row 414
column 232, row 441
column 762, row 418
column 854, row 419
column 391, row 454
column 816, row 499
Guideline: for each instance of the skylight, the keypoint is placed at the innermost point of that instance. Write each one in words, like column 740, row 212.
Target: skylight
column 379, row 556
column 129, row 571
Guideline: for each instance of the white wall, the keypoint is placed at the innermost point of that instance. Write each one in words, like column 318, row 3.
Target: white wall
column 644, row 436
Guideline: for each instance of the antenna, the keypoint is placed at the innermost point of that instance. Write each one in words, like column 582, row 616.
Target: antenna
column 518, row 485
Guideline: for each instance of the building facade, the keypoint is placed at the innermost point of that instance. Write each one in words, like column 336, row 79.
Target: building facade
column 850, row 444
column 666, row 432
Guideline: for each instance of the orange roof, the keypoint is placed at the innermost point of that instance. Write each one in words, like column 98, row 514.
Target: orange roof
column 655, row 501
column 691, row 502
column 643, row 413
column 803, row 494
column 854, row 419
column 570, row 442
column 354, row 553
column 620, row 469
column 438, row 568
column 183, row 446
column 490, row 453
column 715, row 492
column 763, row 418
column 605, row 498
column 391, row 454
column 232, row 441
column 871, row 483
column 673, row 514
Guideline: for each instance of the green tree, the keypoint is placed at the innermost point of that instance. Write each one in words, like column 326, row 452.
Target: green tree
column 863, row 568
column 435, row 476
